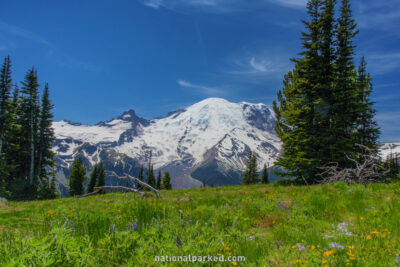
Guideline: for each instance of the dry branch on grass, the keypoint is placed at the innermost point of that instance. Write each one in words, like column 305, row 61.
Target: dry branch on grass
column 366, row 170
column 126, row 189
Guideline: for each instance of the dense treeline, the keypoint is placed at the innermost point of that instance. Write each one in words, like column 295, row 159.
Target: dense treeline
column 324, row 108
column 27, row 167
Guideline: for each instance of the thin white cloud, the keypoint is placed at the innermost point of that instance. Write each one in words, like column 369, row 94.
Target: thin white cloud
column 382, row 63
column 260, row 65
column 221, row 6
column 290, row 3
column 19, row 32
column 204, row 90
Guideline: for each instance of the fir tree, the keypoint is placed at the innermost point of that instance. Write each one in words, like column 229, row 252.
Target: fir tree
column 150, row 173
column 77, row 178
column 92, row 179
column 29, row 120
column 45, row 155
column 367, row 132
column 140, row 177
column 158, row 181
column 264, row 178
column 5, row 90
column 250, row 175
column 101, row 179
column 166, row 181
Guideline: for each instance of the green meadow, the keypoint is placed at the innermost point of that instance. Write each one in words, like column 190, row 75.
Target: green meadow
column 324, row 225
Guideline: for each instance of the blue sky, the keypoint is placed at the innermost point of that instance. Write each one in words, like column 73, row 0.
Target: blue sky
column 101, row 58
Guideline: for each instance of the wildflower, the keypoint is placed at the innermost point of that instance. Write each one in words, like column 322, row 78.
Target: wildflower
column 252, row 237
column 375, row 232
column 298, row 261
column 369, row 237
column 294, row 246
column 228, row 253
column 72, row 227
column 219, row 254
column 336, row 245
column 301, row 247
column 361, row 218
column 312, row 247
column 385, row 230
column 351, row 247
column 50, row 213
column 234, row 263
column 182, row 224
column 281, row 206
column 132, row 226
column 328, row 253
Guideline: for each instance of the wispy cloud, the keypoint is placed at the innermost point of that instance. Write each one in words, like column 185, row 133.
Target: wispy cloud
column 19, row 32
column 260, row 65
column 390, row 125
column 220, row 6
column 201, row 89
column 381, row 63
column 380, row 15
column 290, row 3
column 60, row 58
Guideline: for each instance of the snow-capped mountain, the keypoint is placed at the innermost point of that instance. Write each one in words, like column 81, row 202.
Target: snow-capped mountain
column 206, row 142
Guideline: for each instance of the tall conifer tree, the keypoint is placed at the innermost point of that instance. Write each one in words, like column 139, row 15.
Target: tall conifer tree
column 77, row 178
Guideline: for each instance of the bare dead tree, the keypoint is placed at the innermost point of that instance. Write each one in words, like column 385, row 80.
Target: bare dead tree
column 98, row 189
column 366, row 169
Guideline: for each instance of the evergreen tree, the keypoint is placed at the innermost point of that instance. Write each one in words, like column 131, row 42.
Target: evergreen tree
column 101, row 179
column 367, row 133
column 150, row 173
column 140, row 177
column 301, row 120
column 12, row 149
column 77, row 178
column 5, row 90
column 158, row 181
column 345, row 94
column 250, row 175
column 264, row 178
column 45, row 155
column 92, row 179
column 166, row 181
column 324, row 102
column 29, row 120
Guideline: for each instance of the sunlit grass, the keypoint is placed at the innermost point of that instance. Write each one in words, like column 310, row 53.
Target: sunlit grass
column 270, row 225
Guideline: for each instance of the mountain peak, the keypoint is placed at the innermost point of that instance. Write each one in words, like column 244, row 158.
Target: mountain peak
column 128, row 115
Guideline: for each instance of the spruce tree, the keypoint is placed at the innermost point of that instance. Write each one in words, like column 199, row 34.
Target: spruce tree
column 77, row 178
column 92, row 179
column 150, row 173
column 166, row 181
column 29, row 120
column 158, row 181
column 303, row 103
column 101, row 178
column 45, row 155
column 140, row 177
column 5, row 90
column 250, row 175
column 367, row 132
column 264, row 178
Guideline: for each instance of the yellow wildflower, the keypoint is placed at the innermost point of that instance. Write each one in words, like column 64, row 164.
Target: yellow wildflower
column 385, row 230
column 228, row 253
column 361, row 218
column 234, row 263
column 328, row 253
column 312, row 247
column 298, row 261
column 294, row 246
column 50, row 212
column 369, row 237
column 375, row 232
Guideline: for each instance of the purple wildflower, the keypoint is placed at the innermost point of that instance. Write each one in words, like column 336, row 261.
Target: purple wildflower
column 301, row 247
column 132, row 226
column 336, row 245
column 182, row 224
column 281, row 206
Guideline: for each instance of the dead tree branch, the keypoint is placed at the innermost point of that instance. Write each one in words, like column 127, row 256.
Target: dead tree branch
column 127, row 176
column 366, row 170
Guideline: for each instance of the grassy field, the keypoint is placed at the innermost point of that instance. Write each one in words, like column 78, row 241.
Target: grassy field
column 269, row 225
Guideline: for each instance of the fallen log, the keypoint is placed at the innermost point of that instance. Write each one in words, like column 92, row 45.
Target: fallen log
column 98, row 189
